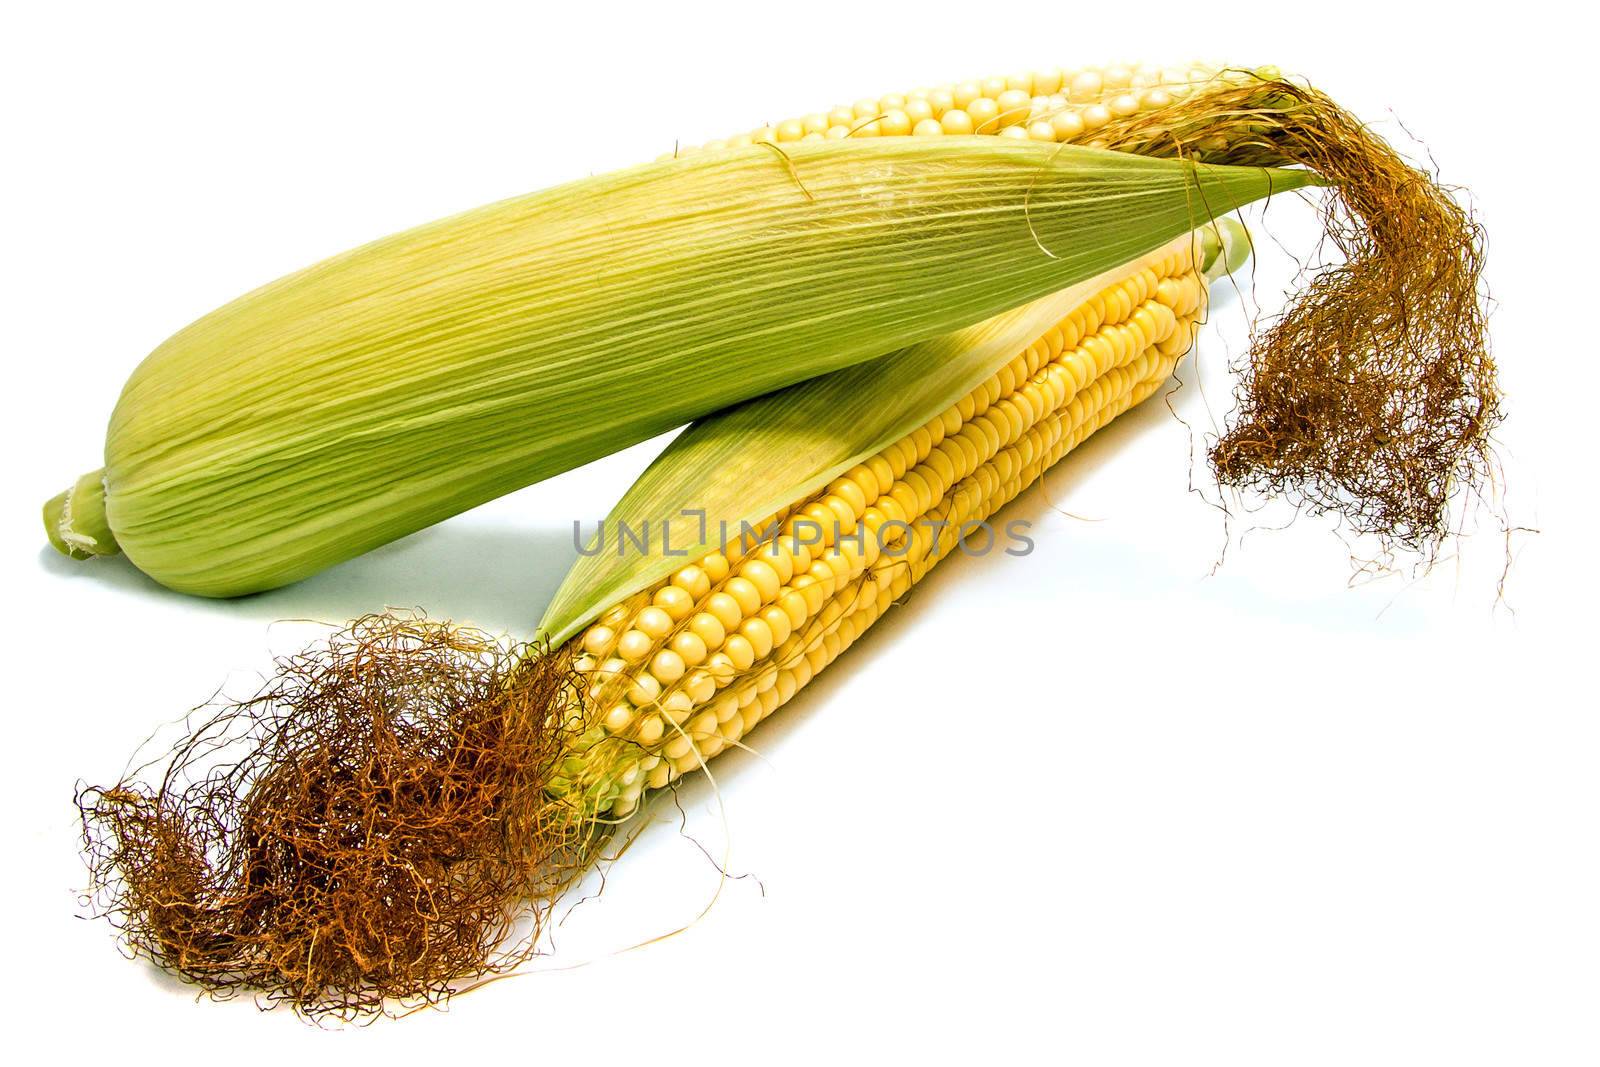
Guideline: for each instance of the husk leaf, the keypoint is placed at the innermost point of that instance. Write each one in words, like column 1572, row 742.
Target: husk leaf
column 403, row 382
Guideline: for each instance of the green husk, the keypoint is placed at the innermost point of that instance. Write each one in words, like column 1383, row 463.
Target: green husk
column 75, row 520
column 398, row 384
column 729, row 470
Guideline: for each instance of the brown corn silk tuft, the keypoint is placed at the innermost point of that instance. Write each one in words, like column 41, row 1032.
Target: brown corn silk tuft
column 357, row 836
column 1374, row 396
column 373, row 827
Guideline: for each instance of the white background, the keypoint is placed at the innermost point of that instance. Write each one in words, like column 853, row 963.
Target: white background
column 1095, row 806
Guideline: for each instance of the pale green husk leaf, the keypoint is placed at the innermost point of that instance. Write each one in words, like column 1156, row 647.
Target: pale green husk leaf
column 398, row 384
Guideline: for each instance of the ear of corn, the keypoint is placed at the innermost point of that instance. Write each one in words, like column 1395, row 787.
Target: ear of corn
column 403, row 382
column 686, row 666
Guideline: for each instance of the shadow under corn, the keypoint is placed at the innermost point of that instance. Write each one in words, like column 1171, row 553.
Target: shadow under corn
column 498, row 576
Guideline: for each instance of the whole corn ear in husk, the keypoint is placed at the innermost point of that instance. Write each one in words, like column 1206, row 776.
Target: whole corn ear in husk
column 398, row 384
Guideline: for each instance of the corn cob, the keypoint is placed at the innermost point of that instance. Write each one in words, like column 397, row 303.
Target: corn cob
column 688, row 666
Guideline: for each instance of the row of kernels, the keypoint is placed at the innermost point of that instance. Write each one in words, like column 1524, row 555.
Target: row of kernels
column 1018, row 409
column 1045, row 105
column 725, row 631
column 759, row 607
column 600, row 639
column 1109, row 346
column 999, row 480
column 1080, row 432
column 632, row 628
column 1119, row 304
column 1055, row 120
column 966, row 502
column 1111, row 305
column 853, row 495
column 788, row 679
column 1094, row 82
column 987, row 492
